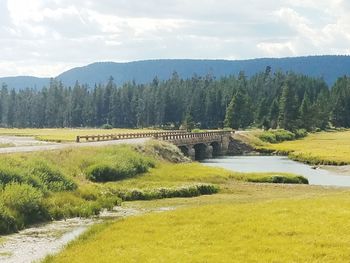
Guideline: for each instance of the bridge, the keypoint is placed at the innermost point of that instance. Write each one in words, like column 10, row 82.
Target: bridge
column 199, row 145
column 196, row 145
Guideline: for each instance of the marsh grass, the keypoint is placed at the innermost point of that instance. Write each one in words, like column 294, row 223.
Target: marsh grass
column 58, row 184
column 226, row 230
column 329, row 148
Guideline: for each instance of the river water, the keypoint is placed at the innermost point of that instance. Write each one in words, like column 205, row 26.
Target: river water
column 280, row 164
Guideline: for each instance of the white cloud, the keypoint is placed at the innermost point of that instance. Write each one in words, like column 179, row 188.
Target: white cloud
column 44, row 37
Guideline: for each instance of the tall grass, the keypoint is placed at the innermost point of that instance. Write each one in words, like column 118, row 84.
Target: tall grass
column 81, row 182
column 295, row 229
column 329, row 148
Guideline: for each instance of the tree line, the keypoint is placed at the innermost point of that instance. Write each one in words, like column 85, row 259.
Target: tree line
column 269, row 100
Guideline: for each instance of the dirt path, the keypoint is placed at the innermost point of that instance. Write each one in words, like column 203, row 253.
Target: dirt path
column 26, row 145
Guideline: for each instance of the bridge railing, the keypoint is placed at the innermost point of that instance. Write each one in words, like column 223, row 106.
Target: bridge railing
column 121, row 136
column 192, row 136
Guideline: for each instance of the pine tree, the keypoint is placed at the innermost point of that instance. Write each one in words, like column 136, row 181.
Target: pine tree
column 287, row 108
column 306, row 113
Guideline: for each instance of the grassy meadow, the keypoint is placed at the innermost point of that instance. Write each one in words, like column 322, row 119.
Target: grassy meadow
column 329, row 148
column 247, row 223
column 63, row 134
column 230, row 217
column 42, row 186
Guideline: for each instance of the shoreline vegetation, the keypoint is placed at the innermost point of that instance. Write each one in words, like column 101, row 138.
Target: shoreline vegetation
column 44, row 186
column 319, row 148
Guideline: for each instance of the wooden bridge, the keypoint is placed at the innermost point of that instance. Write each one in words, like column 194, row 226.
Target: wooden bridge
column 197, row 146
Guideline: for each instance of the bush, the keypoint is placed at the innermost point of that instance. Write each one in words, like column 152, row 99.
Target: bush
column 24, row 202
column 105, row 173
column 277, row 136
column 8, row 175
column 121, row 163
column 107, row 126
column 7, row 222
column 52, row 178
column 301, row 133
column 66, row 205
column 160, row 193
column 279, row 179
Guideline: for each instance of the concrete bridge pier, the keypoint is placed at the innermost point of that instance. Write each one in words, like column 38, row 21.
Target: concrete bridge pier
column 191, row 152
column 209, row 151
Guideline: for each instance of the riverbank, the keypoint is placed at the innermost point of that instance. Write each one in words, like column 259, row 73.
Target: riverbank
column 321, row 148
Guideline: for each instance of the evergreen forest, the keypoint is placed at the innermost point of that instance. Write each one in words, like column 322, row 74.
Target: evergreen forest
column 269, row 100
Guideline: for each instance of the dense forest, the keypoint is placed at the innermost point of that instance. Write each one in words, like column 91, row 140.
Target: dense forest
column 270, row 100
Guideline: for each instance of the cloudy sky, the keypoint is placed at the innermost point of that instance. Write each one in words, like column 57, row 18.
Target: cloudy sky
column 46, row 37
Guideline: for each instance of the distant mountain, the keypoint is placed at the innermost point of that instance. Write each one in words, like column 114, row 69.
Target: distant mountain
column 327, row 67
column 24, row 82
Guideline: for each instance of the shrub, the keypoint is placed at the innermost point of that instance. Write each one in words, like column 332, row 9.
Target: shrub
column 68, row 204
column 277, row 136
column 279, row 179
column 122, row 163
column 301, row 133
column 8, row 175
column 160, row 193
column 7, row 221
column 105, row 173
column 25, row 202
column 107, row 126
column 283, row 135
column 51, row 177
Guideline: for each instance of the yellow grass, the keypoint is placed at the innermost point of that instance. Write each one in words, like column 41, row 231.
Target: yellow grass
column 64, row 134
column 304, row 224
column 173, row 175
column 318, row 148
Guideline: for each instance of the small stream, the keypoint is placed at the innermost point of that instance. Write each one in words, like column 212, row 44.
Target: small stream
column 326, row 176
column 35, row 243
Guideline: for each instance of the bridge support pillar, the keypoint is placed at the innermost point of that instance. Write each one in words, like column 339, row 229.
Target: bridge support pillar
column 209, row 151
column 224, row 144
column 191, row 152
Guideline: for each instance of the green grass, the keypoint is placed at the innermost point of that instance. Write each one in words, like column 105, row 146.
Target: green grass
column 41, row 186
column 330, row 148
column 252, row 223
column 63, row 134
column 174, row 175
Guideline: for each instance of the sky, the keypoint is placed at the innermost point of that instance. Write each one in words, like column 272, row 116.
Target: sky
column 46, row 37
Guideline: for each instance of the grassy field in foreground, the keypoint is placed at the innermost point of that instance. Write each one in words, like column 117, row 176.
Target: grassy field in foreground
column 64, row 134
column 253, row 223
column 40, row 186
column 318, row 148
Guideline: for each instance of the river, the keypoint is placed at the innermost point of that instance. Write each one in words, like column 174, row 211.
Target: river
column 280, row 164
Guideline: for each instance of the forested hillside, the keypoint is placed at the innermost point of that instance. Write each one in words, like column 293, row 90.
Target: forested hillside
column 143, row 72
column 267, row 99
